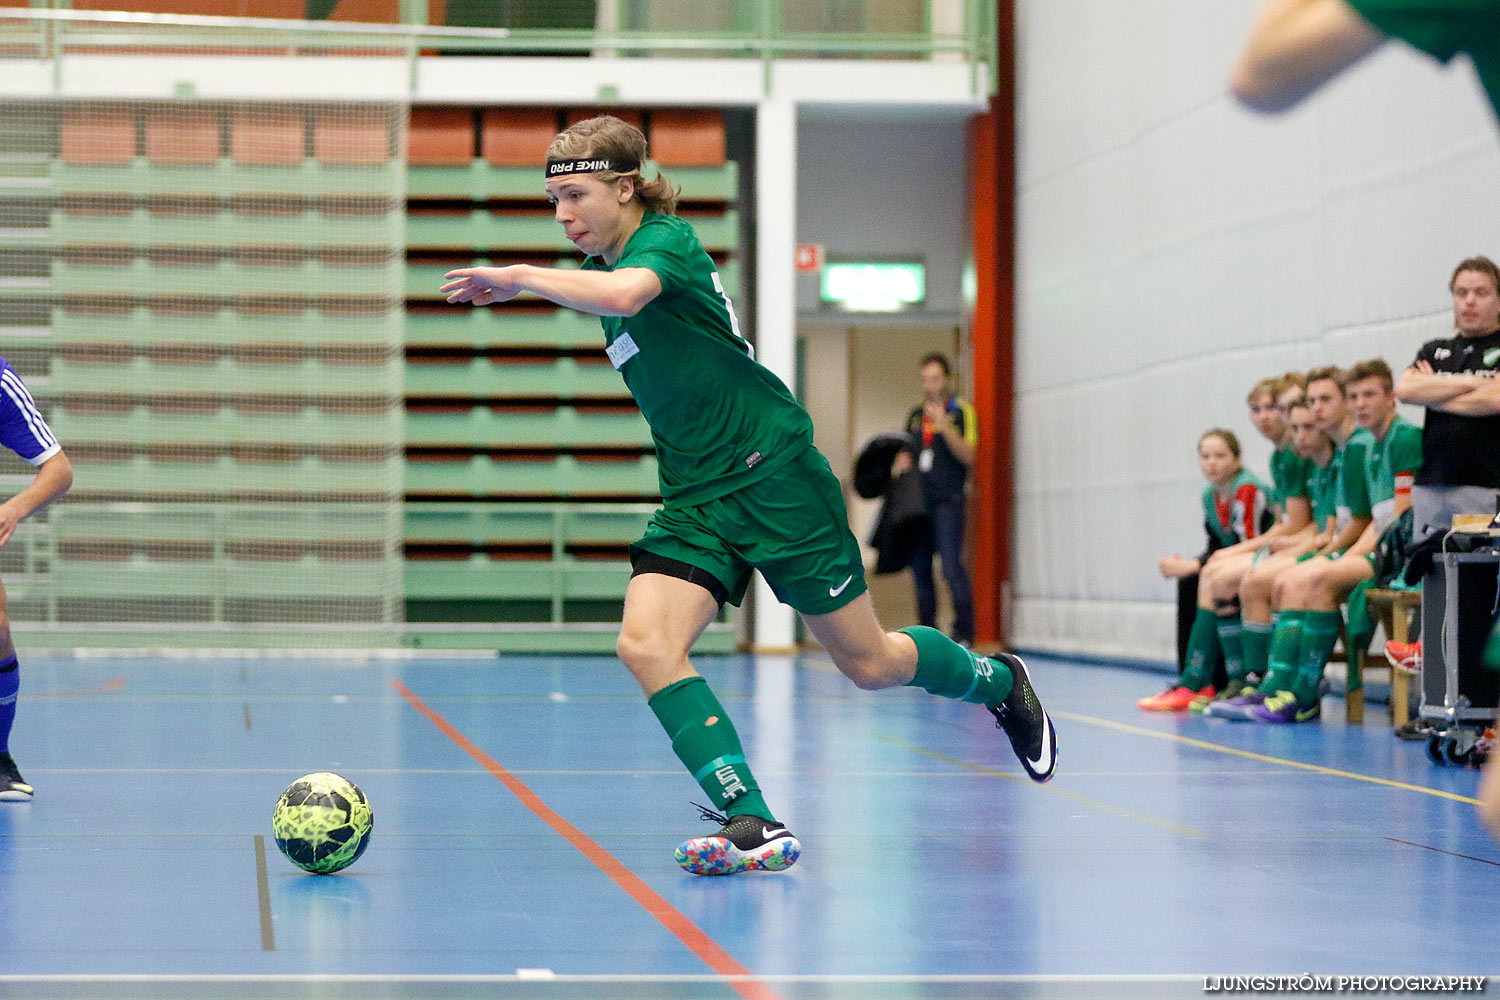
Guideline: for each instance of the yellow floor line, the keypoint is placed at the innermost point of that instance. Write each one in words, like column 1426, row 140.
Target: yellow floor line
column 1250, row 755
column 1083, row 800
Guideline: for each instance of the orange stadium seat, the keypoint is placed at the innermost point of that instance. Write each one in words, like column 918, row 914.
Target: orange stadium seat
column 517, row 137
column 687, row 138
column 185, row 136
column 268, row 137
column 440, row 137
column 343, row 137
column 93, row 137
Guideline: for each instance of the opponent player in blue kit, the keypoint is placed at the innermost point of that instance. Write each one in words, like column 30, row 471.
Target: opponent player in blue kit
column 24, row 432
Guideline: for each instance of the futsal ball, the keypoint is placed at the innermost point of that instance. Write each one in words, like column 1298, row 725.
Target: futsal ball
column 322, row 823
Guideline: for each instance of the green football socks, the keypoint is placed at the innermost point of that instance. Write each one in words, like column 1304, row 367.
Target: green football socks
column 1203, row 651
column 1286, row 643
column 1255, row 646
column 1320, row 632
column 706, row 742
column 946, row 669
column 1231, row 635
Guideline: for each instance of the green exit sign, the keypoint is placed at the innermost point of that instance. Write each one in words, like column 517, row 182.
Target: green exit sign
column 873, row 286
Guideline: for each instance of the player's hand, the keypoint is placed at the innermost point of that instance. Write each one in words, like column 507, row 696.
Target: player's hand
column 1423, row 366
column 1175, row 566
column 901, row 464
column 8, row 521
column 935, row 412
column 481, row 286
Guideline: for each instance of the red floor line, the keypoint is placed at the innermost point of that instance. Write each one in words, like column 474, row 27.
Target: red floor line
column 689, row 933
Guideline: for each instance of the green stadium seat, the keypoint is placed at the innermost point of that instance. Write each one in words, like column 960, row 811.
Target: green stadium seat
column 140, row 327
column 561, row 427
column 226, row 375
column 311, row 178
column 481, row 378
column 559, row 476
column 500, row 327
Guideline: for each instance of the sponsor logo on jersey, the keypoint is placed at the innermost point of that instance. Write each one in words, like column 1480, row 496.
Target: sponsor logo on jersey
column 753, row 460
column 622, row 350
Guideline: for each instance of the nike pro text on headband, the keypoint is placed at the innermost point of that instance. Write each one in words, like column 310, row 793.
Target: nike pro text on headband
column 557, row 168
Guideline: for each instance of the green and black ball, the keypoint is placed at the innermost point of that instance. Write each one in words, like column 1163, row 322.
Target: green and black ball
column 322, row 823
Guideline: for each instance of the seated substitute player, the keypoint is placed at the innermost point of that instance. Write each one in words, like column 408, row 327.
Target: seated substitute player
column 742, row 485
column 1218, row 584
column 1226, row 568
column 1351, row 504
column 1309, row 594
column 1256, row 590
column 1236, row 508
column 24, row 432
column 1296, row 46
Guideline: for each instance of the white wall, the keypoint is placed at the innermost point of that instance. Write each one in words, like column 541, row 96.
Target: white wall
column 1173, row 248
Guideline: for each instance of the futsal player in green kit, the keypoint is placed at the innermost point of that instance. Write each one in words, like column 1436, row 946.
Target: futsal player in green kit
column 1296, row 46
column 742, row 488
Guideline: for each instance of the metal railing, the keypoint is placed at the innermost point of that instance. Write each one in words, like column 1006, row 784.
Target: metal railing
column 962, row 31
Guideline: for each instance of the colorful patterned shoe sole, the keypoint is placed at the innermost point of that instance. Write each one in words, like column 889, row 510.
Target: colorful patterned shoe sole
column 717, row 856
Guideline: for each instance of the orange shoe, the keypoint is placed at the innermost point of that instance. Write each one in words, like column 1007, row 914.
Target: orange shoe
column 1405, row 656
column 1174, row 699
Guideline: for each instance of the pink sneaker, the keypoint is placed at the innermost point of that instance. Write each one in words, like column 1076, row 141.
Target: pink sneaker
column 1174, row 699
column 1405, row 656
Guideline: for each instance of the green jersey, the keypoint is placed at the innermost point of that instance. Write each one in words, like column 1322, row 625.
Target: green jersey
column 720, row 421
column 1443, row 29
column 1289, row 473
column 1351, row 495
column 1390, row 465
column 1321, row 493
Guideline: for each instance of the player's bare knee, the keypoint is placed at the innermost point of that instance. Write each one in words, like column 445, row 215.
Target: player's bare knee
column 867, row 672
column 640, row 651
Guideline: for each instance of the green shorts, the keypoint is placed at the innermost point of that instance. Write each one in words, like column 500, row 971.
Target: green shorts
column 792, row 526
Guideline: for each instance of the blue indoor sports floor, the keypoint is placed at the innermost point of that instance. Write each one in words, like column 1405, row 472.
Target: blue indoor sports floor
column 526, row 810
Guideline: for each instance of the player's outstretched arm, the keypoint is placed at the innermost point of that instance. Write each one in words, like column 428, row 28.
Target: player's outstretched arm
column 623, row 292
column 52, row 481
column 1295, row 47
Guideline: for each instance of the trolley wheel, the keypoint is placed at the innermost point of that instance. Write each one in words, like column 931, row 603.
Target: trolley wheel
column 1456, row 753
column 1435, row 748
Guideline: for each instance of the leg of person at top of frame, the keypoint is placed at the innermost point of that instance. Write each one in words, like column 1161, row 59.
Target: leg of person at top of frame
column 1296, row 46
column 668, row 604
column 923, row 657
column 1489, row 781
column 794, row 528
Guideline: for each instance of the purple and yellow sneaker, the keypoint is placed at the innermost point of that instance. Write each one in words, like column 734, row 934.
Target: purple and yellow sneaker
column 744, row 843
column 1236, row 708
column 1281, row 709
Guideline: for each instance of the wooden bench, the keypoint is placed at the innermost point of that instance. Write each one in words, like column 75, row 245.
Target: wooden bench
column 1393, row 608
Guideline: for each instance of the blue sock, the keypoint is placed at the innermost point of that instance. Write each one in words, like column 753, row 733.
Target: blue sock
column 10, row 683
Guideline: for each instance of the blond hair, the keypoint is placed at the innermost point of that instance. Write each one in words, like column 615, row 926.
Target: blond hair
column 607, row 137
